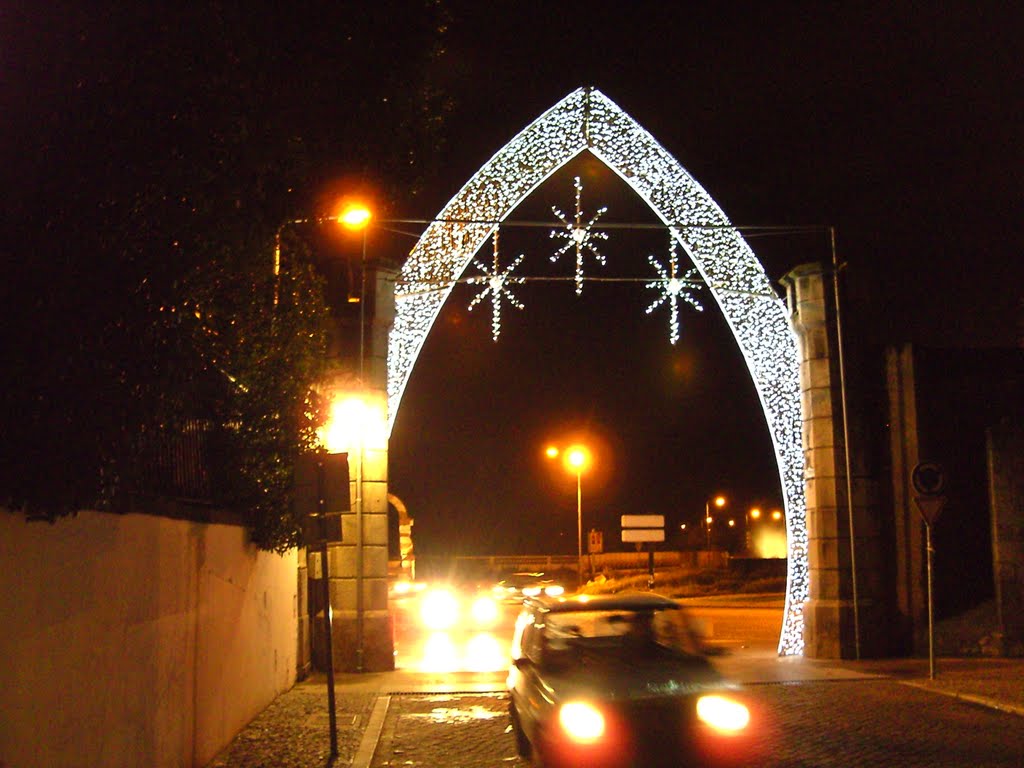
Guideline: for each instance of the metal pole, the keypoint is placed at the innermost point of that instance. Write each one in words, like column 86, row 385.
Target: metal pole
column 846, row 443
column 707, row 525
column 360, row 607
column 328, row 639
column 579, row 528
column 931, row 618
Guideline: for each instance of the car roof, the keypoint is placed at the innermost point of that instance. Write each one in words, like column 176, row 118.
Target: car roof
column 626, row 601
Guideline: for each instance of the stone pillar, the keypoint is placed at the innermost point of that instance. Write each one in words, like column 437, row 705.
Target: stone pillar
column 829, row 613
column 362, row 629
column 911, row 601
column 1006, row 492
column 303, row 656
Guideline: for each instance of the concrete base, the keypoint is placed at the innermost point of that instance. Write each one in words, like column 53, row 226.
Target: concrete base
column 829, row 629
column 378, row 642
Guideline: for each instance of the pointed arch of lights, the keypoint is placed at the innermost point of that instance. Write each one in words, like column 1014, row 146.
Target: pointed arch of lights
column 586, row 120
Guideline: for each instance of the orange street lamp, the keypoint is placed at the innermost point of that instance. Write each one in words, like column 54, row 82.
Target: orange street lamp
column 355, row 216
column 576, row 459
column 718, row 501
column 753, row 514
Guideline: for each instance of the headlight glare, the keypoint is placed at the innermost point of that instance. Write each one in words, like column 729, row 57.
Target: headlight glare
column 723, row 714
column 439, row 609
column 485, row 611
column 582, row 722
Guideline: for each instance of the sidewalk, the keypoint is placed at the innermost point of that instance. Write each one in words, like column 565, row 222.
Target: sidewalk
column 293, row 731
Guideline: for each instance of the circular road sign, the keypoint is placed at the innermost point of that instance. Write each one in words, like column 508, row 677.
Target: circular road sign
column 928, row 479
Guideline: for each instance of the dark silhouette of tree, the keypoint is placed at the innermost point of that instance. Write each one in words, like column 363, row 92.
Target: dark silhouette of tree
column 150, row 155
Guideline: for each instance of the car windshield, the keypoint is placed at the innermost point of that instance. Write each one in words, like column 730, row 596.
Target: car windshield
column 668, row 628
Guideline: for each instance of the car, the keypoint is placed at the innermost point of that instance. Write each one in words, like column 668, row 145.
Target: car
column 517, row 586
column 620, row 680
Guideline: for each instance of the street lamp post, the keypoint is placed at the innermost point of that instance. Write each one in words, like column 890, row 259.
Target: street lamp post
column 356, row 217
column 752, row 514
column 718, row 501
column 577, row 459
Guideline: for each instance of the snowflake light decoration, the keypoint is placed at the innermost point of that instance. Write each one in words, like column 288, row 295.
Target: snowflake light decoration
column 496, row 282
column 588, row 121
column 578, row 235
column 672, row 289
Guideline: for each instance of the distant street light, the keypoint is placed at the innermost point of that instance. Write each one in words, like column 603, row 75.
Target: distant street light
column 718, row 501
column 752, row 514
column 577, row 459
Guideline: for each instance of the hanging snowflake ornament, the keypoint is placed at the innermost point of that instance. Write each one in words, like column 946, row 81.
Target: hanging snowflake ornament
column 673, row 288
column 579, row 236
column 496, row 282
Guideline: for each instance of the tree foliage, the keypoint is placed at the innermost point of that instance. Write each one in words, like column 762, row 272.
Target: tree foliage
column 152, row 155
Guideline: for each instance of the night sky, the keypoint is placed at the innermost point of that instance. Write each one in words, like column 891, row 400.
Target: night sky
column 899, row 126
column 898, row 123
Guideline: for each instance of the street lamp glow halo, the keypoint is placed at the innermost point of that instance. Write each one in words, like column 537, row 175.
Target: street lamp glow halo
column 577, row 458
column 355, row 216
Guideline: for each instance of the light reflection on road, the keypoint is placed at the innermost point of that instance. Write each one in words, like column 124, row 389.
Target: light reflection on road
column 454, row 652
column 465, row 647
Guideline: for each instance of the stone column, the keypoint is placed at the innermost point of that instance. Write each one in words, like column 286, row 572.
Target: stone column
column 1006, row 493
column 362, row 627
column 829, row 613
column 911, row 601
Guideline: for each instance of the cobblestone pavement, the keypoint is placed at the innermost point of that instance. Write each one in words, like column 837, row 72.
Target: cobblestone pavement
column 447, row 730
column 293, row 732
column 874, row 713
column 821, row 724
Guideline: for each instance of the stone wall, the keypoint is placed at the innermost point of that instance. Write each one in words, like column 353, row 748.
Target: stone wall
column 135, row 640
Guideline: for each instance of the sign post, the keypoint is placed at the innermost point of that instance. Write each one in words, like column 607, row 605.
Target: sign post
column 328, row 495
column 644, row 528
column 929, row 481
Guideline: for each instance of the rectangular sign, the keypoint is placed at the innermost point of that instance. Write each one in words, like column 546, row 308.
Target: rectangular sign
column 642, row 534
column 643, row 521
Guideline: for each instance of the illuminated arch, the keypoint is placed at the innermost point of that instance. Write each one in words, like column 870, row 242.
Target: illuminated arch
column 587, row 120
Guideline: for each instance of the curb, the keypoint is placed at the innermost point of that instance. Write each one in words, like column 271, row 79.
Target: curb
column 371, row 736
column 983, row 701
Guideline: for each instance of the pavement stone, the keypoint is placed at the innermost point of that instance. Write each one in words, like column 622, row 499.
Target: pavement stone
column 293, row 731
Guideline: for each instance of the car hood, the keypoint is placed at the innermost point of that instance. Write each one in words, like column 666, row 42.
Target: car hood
column 616, row 678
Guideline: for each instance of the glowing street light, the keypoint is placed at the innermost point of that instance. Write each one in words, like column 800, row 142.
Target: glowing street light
column 753, row 514
column 576, row 459
column 355, row 216
column 718, row 501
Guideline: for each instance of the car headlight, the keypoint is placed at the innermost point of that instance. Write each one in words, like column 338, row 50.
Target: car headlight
column 485, row 611
column 439, row 609
column 531, row 591
column 723, row 714
column 554, row 590
column 582, row 722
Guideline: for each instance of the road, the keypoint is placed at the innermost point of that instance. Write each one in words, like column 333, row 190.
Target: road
column 731, row 621
column 804, row 714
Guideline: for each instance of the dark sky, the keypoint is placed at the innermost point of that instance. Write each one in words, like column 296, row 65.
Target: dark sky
column 898, row 123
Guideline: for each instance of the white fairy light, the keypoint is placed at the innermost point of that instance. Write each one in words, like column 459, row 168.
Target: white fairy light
column 579, row 235
column 587, row 120
column 672, row 289
column 496, row 282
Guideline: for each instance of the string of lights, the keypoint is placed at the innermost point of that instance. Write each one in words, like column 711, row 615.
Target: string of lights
column 586, row 120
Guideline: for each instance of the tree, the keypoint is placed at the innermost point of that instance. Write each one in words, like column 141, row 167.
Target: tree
column 149, row 172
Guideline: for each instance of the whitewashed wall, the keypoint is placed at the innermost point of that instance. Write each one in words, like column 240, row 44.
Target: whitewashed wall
column 133, row 640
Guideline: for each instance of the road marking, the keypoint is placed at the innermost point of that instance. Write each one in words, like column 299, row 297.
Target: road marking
column 371, row 736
